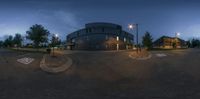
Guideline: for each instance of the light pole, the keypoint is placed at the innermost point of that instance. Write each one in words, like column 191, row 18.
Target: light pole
column 177, row 34
column 131, row 26
column 54, row 40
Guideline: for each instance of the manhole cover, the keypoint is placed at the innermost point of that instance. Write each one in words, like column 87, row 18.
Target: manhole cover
column 25, row 60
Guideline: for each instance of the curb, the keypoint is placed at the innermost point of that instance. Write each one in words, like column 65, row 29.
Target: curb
column 145, row 58
column 62, row 68
column 23, row 55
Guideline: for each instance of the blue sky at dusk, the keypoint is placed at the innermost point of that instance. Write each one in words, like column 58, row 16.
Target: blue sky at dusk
column 159, row 17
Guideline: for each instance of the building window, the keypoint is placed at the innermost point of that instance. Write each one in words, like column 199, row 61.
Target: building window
column 117, row 46
column 78, row 33
column 90, row 30
column 118, row 27
column 87, row 37
column 103, row 30
column 117, row 38
column 73, row 40
column 106, row 46
column 124, row 39
column 86, row 30
column 106, row 37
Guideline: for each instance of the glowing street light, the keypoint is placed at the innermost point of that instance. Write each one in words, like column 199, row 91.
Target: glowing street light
column 56, row 35
column 131, row 26
column 178, row 34
column 54, row 41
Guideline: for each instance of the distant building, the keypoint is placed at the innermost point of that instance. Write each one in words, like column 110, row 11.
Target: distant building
column 100, row 36
column 169, row 42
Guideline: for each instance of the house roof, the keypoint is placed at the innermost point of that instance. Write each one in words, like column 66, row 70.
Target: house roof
column 162, row 37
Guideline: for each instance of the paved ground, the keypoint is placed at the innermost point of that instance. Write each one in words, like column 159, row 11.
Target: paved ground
column 104, row 75
column 55, row 64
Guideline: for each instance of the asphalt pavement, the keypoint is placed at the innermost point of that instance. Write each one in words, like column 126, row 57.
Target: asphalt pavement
column 104, row 75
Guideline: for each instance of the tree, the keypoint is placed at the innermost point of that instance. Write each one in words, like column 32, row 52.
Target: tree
column 9, row 41
column 195, row 43
column 147, row 40
column 18, row 39
column 38, row 34
column 174, row 45
column 188, row 43
column 55, row 40
column 1, row 44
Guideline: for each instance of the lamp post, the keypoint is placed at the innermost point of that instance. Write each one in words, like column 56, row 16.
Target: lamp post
column 177, row 34
column 131, row 26
column 54, row 40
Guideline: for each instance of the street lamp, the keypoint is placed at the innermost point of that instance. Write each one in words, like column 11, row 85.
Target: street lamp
column 177, row 34
column 56, row 35
column 131, row 26
column 55, row 38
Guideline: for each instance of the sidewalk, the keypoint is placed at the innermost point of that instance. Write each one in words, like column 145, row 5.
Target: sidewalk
column 93, row 51
column 31, row 49
column 141, row 55
column 56, row 64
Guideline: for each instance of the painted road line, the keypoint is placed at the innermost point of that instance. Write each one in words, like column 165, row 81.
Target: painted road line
column 161, row 55
column 25, row 60
column 142, row 58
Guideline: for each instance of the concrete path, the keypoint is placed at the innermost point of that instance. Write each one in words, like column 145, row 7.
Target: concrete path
column 58, row 69
column 141, row 58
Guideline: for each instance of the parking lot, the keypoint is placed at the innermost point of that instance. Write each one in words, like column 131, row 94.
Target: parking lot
column 103, row 75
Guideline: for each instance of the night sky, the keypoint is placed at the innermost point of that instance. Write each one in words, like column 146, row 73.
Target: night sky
column 159, row 17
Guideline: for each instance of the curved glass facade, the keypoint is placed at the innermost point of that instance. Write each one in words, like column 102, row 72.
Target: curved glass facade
column 100, row 36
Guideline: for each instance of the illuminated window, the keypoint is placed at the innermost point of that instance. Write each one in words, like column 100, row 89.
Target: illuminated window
column 73, row 40
column 117, row 38
column 117, row 46
column 124, row 39
column 131, row 41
